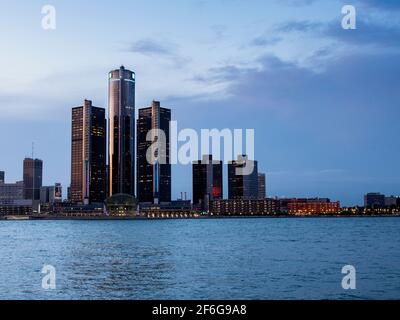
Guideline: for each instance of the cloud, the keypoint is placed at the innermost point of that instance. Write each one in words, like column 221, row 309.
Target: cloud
column 299, row 26
column 368, row 32
column 297, row 3
column 158, row 48
column 382, row 4
column 151, row 47
column 265, row 41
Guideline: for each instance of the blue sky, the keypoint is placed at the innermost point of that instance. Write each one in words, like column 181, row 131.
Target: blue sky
column 324, row 102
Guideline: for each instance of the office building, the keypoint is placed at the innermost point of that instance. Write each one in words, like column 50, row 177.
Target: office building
column 391, row 201
column 243, row 178
column 154, row 176
column 2, row 177
column 207, row 180
column 33, row 173
column 51, row 194
column 11, row 192
column 88, row 154
column 313, row 206
column 262, row 186
column 121, row 132
column 244, row 207
column 375, row 200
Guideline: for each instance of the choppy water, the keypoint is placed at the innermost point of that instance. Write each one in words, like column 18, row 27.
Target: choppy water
column 201, row 259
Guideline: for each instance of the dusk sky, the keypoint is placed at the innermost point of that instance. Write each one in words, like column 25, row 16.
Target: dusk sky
column 324, row 101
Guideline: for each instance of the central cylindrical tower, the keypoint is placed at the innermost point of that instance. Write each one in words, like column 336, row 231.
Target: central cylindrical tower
column 121, row 146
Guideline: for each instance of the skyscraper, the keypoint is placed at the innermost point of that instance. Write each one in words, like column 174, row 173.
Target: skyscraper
column 154, row 179
column 33, row 173
column 243, row 179
column 262, row 186
column 121, row 147
column 2, row 177
column 207, row 180
column 88, row 154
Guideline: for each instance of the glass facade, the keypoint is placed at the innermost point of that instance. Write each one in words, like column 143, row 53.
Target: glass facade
column 154, row 179
column 121, row 132
column 242, row 186
column 33, row 173
column 207, row 180
column 88, row 154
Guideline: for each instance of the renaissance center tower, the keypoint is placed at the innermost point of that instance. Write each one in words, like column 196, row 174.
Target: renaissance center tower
column 121, row 146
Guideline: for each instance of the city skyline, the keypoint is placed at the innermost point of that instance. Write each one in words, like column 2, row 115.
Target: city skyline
column 314, row 132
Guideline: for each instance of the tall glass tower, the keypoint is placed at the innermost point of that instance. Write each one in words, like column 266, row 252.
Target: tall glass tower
column 121, row 147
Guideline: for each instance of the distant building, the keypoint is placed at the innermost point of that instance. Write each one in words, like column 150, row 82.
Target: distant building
column 19, row 207
column 313, row 206
column 153, row 179
column 51, row 194
column 243, row 179
column 262, row 186
column 11, row 192
column 391, row 201
column 121, row 131
column 376, row 200
column 207, row 180
column 88, row 154
column 33, row 175
column 2, row 177
column 244, row 207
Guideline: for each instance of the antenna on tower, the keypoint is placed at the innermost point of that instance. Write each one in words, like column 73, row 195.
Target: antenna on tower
column 33, row 149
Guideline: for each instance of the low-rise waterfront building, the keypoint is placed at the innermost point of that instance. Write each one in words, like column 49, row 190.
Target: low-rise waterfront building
column 244, row 207
column 313, row 206
column 11, row 192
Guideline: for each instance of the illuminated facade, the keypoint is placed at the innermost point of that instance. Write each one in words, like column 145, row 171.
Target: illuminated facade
column 121, row 103
column 88, row 154
column 244, row 207
column 154, row 177
column 303, row 207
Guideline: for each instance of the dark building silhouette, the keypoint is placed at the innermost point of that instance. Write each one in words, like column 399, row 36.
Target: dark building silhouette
column 121, row 128
column 88, row 154
column 374, row 200
column 33, row 175
column 207, row 180
column 243, row 179
column 262, row 186
column 2, row 176
column 154, row 178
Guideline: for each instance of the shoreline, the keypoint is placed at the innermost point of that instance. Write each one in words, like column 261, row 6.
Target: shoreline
column 101, row 218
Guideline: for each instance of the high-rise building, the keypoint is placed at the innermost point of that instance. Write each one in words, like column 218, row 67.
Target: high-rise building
column 33, row 175
column 88, row 154
column 207, row 180
column 154, row 177
column 262, row 186
column 243, row 178
column 2, row 177
column 121, row 147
